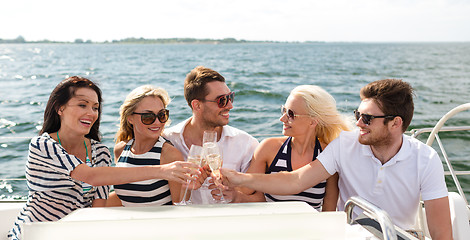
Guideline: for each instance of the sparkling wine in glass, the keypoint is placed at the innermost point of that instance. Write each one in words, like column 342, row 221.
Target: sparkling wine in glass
column 194, row 156
column 209, row 139
column 213, row 158
column 215, row 162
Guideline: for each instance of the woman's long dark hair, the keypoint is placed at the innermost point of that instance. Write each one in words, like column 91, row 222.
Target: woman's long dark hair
column 61, row 94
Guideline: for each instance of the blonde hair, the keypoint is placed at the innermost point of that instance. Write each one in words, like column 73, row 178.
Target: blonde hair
column 126, row 132
column 322, row 106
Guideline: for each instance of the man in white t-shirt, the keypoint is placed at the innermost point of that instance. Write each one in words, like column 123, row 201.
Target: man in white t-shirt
column 376, row 162
column 211, row 101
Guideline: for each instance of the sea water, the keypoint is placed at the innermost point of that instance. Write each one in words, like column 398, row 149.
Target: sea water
column 261, row 75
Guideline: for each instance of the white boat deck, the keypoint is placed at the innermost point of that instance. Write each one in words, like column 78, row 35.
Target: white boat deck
column 281, row 220
column 8, row 213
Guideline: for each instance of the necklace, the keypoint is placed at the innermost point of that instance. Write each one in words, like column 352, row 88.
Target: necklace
column 85, row 186
column 86, row 149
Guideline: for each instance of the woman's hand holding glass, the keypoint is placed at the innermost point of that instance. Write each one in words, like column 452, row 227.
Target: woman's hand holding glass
column 179, row 172
column 228, row 194
column 230, row 178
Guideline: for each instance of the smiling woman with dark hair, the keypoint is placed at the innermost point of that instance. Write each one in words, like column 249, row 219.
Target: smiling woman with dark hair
column 67, row 167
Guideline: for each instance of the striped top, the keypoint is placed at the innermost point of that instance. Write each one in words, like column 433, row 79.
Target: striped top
column 282, row 162
column 52, row 192
column 154, row 192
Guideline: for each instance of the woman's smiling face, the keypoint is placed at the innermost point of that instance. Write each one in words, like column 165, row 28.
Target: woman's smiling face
column 80, row 112
column 150, row 104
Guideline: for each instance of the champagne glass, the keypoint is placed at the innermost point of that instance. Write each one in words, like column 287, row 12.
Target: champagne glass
column 213, row 158
column 194, row 156
column 209, row 138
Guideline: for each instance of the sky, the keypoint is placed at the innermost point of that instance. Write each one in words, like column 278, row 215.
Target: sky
column 272, row 20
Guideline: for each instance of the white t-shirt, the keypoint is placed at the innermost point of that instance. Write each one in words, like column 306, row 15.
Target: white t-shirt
column 395, row 186
column 237, row 150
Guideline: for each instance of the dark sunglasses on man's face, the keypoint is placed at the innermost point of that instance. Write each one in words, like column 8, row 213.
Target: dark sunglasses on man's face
column 222, row 101
column 150, row 117
column 366, row 118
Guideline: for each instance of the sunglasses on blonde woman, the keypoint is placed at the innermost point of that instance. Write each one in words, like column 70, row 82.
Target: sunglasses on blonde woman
column 290, row 114
column 150, row 117
column 222, row 101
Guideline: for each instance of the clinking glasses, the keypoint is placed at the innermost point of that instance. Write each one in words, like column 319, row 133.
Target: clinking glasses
column 150, row 117
column 290, row 114
column 222, row 101
column 366, row 118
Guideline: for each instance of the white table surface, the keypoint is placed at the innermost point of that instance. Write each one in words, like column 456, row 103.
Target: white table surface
column 212, row 210
column 278, row 220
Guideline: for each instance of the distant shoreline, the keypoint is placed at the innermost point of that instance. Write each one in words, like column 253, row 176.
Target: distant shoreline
column 20, row 39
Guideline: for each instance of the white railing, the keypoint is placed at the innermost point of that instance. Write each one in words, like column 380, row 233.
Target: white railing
column 386, row 224
column 434, row 135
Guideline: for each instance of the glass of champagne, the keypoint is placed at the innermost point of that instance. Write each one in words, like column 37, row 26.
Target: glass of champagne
column 213, row 158
column 194, row 156
column 209, row 136
column 209, row 139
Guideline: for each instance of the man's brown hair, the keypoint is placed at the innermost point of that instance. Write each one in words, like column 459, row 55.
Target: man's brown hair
column 195, row 83
column 393, row 96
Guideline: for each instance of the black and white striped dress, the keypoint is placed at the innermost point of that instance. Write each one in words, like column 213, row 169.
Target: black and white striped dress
column 282, row 162
column 52, row 192
column 153, row 192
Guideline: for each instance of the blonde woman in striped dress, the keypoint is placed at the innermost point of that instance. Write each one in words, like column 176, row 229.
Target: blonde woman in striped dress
column 139, row 143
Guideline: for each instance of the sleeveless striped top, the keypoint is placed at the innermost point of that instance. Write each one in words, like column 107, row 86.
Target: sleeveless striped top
column 154, row 192
column 282, row 162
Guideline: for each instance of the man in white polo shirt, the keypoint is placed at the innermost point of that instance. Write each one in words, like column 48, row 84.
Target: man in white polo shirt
column 211, row 100
column 377, row 162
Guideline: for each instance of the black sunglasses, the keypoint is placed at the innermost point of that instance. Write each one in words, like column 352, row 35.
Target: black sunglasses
column 150, row 117
column 290, row 114
column 366, row 118
column 222, row 101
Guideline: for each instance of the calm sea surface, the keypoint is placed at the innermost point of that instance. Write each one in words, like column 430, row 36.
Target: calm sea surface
column 261, row 75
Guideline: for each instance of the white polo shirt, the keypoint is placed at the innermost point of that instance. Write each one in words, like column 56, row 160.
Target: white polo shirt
column 237, row 150
column 395, row 186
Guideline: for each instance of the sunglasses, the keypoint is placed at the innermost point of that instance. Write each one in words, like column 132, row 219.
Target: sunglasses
column 150, row 117
column 222, row 101
column 366, row 118
column 290, row 114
